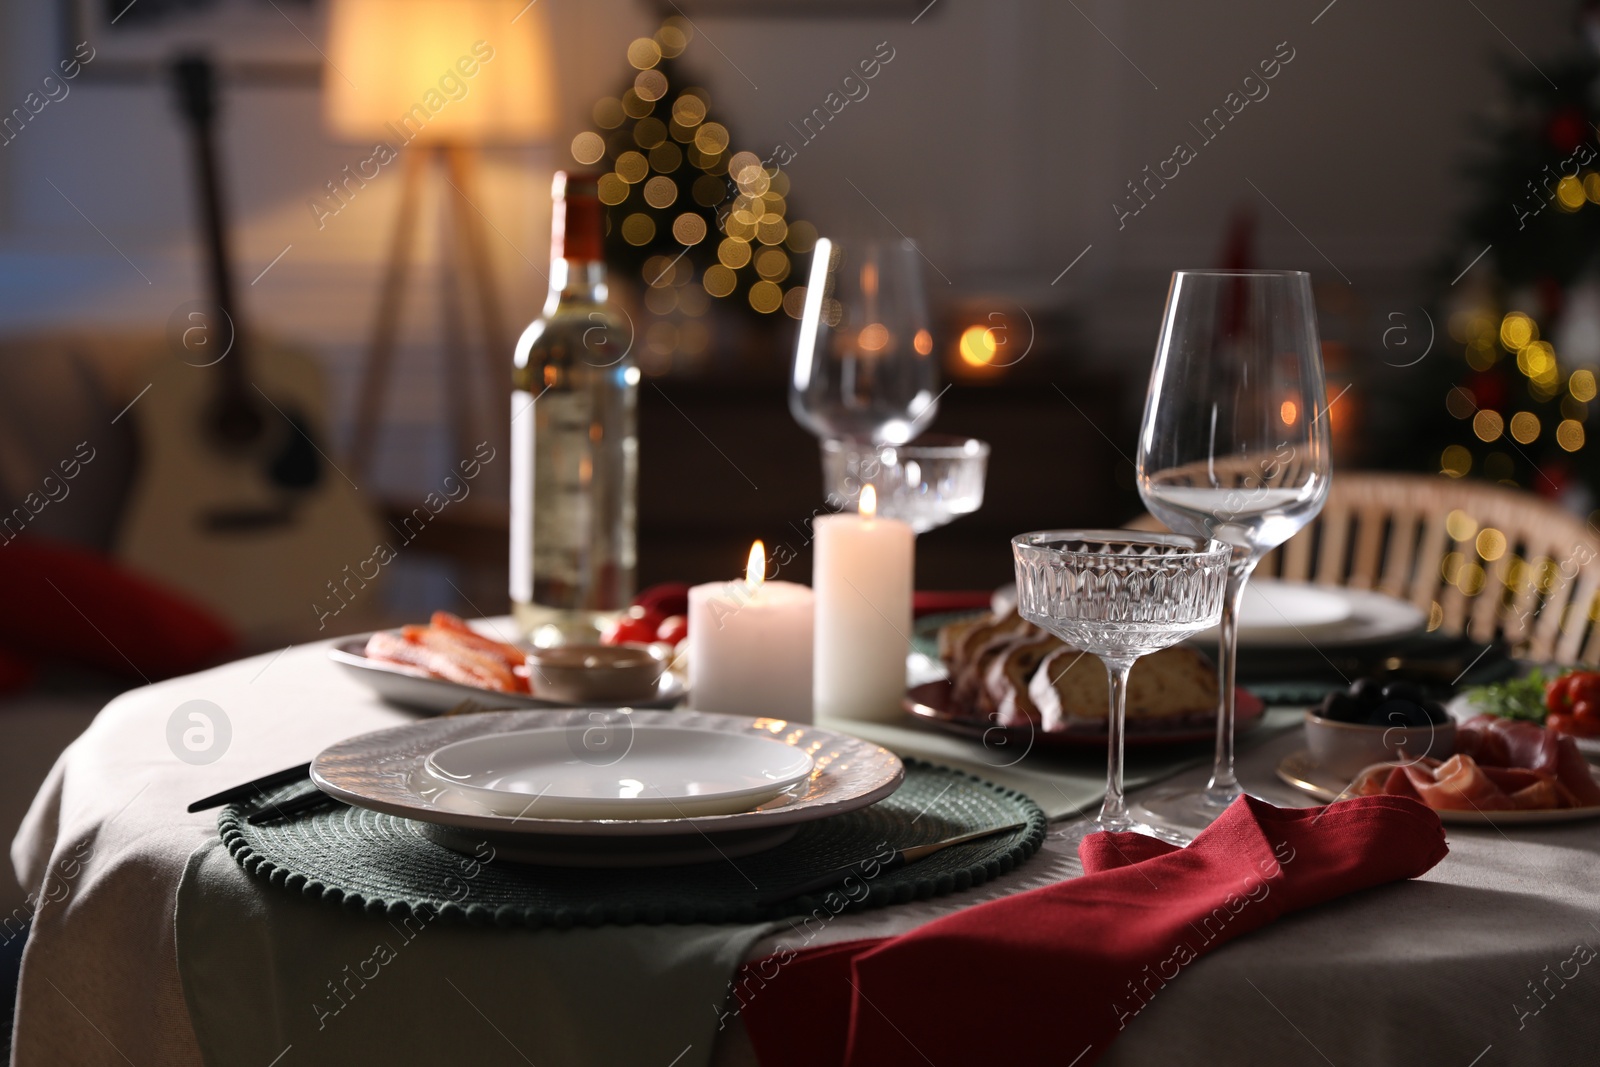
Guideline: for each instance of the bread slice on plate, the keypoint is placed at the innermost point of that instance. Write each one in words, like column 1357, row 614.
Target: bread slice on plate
column 1174, row 688
column 951, row 635
column 968, row 640
column 1005, row 683
column 968, row 682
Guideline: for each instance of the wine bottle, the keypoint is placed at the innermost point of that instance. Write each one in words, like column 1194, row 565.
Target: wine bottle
column 574, row 440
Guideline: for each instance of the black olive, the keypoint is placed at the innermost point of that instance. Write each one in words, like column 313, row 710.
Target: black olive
column 1341, row 707
column 1367, row 691
column 1400, row 713
column 1403, row 691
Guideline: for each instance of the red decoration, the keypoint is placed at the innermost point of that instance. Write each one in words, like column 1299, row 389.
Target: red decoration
column 1567, row 129
column 1488, row 390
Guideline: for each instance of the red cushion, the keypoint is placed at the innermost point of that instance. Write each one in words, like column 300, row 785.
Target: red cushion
column 58, row 601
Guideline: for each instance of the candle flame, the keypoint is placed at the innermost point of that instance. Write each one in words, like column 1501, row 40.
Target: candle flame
column 755, row 571
column 869, row 501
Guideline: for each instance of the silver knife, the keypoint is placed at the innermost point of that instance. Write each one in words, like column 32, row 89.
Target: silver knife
column 900, row 858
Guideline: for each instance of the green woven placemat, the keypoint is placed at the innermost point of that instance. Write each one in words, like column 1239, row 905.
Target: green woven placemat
column 381, row 864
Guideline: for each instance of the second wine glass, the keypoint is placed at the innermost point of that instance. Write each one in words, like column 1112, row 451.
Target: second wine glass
column 1234, row 446
column 864, row 368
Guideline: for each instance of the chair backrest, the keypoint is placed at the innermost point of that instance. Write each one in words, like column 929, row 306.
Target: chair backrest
column 1480, row 559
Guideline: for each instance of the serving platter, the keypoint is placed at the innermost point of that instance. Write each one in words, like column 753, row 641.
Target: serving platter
column 385, row 771
column 412, row 688
column 1301, row 771
column 934, row 703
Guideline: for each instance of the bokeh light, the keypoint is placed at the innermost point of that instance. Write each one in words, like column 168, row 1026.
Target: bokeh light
column 977, row 346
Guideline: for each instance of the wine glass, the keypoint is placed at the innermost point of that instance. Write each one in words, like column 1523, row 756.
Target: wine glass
column 1119, row 594
column 926, row 484
column 1233, row 446
column 864, row 368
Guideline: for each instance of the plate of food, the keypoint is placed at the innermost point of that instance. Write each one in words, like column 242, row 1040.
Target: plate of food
column 438, row 666
column 1562, row 699
column 1482, row 770
column 1006, row 678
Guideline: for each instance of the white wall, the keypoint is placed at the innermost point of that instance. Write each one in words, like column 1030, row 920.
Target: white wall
column 999, row 135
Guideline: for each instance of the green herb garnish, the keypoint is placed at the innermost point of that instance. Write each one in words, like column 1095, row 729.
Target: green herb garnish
column 1520, row 698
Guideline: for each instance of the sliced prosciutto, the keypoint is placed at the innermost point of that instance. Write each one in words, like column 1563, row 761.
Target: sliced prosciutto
column 1499, row 765
column 443, row 655
column 1458, row 784
column 1496, row 742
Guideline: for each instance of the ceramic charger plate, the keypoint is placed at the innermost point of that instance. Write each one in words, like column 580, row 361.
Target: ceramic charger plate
column 663, row 772
column 386, row 771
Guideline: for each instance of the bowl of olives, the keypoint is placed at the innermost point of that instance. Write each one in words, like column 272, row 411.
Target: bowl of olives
column 1377, row 722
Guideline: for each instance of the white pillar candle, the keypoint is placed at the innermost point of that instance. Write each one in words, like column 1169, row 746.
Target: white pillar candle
column 750, row 646
column 862, row 572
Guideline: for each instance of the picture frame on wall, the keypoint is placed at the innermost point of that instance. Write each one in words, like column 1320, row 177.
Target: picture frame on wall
column 250, row 40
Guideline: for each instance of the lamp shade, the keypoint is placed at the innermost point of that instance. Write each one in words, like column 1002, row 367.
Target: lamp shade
column 456, row 71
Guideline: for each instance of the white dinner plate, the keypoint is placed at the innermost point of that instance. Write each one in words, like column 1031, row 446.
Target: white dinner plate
column 411, row 688
column 385, row 771
column 1301, row 771
column 1293, row 614
column 1279, row 614
column 658, row 772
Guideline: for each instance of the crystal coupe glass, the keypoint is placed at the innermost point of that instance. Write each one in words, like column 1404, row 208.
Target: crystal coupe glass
column 926, row 484
column 1119, row 594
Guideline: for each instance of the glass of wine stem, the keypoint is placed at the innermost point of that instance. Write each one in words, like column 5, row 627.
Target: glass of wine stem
column 1233, row 446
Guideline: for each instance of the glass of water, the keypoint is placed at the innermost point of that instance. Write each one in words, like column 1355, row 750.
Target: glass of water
column 1234, row 446
column 1119, row 594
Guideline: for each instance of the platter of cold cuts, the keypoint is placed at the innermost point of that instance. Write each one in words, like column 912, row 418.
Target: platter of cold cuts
column 1502, row 771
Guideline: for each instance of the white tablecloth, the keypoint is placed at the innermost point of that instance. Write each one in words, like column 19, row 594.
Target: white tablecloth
column 1489, row 955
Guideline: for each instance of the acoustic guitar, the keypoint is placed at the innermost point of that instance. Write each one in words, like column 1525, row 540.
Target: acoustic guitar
column 236, row 501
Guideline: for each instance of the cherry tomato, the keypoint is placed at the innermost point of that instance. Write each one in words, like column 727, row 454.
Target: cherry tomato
column 1583, row 685
column 673, row 628
column 1557, row 693
column 1586, row 718
column 667, row 599
column 638, row 626
column 1560, row 721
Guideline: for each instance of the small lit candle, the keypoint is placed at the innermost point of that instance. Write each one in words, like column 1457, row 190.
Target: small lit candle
column 750, row 645
column 863, row 577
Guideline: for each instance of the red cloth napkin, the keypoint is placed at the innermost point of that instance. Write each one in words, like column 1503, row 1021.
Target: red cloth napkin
column 1072, row 964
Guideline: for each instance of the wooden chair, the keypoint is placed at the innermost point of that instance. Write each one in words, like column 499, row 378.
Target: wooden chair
column 1481, row 559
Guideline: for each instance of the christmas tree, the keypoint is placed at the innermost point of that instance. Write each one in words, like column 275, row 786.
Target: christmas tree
column 690, row 216
column 1522, row 291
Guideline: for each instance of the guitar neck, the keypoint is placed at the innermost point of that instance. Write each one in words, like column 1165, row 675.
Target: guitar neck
column 196, row 83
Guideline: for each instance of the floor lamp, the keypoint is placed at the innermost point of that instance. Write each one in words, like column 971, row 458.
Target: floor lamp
column 435, row 81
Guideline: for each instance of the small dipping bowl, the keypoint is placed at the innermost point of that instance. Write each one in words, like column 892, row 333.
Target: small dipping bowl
column 1348, row 748
column 607, row 674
